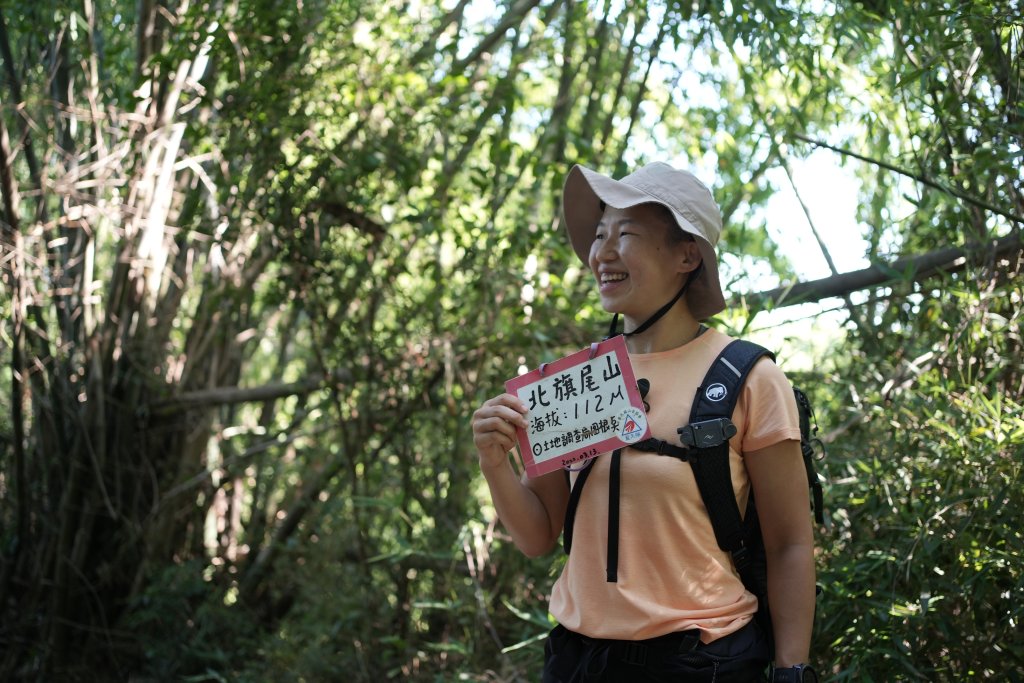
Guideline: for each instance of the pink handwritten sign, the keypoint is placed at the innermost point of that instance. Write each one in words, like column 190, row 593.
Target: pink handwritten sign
column 579, row 407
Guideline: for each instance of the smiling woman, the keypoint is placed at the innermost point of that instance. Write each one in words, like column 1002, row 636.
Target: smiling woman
column 639, row 263
column 671, row 602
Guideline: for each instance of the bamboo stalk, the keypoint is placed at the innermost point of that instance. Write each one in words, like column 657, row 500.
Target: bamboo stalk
column 13, row 273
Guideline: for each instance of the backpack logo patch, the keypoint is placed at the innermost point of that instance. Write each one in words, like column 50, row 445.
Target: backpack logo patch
column 716, row 392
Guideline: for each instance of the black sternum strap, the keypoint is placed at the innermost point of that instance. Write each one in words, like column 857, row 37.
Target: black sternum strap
column 662, row 448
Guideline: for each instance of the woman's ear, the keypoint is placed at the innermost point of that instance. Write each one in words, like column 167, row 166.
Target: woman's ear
column 690, row 257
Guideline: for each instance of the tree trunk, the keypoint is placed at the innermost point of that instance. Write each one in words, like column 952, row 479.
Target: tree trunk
column 908, row 269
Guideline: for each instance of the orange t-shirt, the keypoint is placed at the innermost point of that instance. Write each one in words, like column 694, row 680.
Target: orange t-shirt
column 672, row 576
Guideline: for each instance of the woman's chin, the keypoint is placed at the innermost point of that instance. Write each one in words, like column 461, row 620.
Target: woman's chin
column 612, row 302
column 611, row 308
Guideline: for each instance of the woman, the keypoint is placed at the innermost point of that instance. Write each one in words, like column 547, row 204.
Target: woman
column 676, row 608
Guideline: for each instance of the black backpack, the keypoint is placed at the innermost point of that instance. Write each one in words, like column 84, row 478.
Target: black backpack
column 705, row 445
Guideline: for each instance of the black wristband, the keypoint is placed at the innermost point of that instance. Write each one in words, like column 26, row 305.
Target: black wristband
column 801, row 673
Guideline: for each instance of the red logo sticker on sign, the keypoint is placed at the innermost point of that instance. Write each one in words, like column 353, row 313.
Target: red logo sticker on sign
column 579, row 407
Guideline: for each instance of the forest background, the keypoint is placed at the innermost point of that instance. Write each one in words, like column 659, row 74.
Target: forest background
column 262, row 259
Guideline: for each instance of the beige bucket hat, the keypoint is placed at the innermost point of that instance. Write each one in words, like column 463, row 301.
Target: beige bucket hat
column 687, row 198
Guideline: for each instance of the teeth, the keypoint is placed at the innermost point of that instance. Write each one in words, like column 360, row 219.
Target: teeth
column 612, row 277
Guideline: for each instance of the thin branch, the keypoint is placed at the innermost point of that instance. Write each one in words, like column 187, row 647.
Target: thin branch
column 924, row 180
column 641, row 93
column 513, row 17
column 310, row 493
column 737, row 198
column 220, row 396
column 562, row 106
column 624, row 71
column 430, row 45
column 854, row 312
column 290, row 436
column 594, row 61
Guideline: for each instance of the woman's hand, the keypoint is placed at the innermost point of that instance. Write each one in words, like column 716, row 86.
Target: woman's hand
column 494, row 428
column 532, row 510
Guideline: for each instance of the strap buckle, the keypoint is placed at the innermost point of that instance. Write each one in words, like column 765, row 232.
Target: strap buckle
column 707, row 434
column 689, row 642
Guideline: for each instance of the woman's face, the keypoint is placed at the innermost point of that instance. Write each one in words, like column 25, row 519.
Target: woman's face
column 638, row 266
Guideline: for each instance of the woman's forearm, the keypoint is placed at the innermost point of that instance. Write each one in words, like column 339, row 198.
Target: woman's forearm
column 520, row 509
column 791, row 597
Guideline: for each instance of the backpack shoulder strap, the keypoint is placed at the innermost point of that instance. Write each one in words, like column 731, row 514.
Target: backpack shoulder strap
column 707, row 437
column 807, row 442
column 708, row 434
column 575, row 491
column 719, row 391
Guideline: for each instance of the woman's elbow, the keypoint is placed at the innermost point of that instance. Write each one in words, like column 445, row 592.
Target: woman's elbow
column 536, row 547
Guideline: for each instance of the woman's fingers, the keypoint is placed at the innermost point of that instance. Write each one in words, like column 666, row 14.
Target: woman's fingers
column 496, row 421
column 506, row 407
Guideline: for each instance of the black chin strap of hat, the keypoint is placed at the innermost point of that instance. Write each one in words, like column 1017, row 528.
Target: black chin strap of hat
column 658, row 314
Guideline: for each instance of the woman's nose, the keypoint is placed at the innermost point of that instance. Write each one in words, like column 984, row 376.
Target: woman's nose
column 605, row 249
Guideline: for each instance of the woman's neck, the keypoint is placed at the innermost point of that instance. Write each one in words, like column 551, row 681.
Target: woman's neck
column 677, row 328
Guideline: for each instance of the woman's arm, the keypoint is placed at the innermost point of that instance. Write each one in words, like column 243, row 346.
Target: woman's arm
column 532, row 510
column 779, row 484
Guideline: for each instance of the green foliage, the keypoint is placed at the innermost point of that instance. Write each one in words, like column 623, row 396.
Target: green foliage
column 184, row 628
column 922, row 568
column 362, row 225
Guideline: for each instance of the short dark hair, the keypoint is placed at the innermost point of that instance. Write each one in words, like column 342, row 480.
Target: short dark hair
column 676, row 234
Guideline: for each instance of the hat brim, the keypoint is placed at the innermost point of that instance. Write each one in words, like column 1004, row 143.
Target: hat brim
column 582, row 194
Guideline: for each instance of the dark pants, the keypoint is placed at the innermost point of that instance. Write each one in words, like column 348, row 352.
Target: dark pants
column 741, row 657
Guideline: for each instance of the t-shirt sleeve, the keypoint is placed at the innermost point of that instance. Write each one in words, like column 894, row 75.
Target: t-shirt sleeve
column 769, row 408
